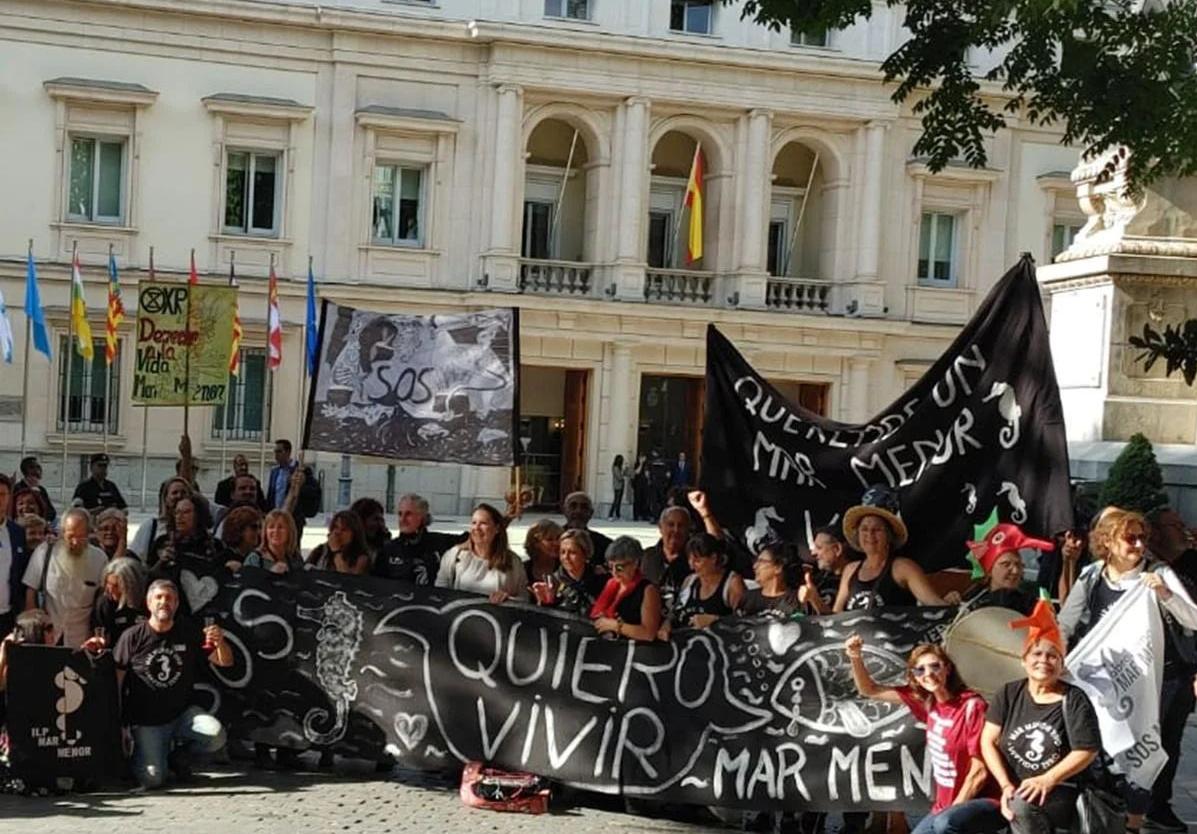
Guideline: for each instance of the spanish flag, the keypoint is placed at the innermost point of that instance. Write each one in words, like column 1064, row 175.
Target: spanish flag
column 79, row 312
column 694, row 201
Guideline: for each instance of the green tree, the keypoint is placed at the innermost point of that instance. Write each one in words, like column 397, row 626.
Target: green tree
column 1113, row 73
column 1135, row 481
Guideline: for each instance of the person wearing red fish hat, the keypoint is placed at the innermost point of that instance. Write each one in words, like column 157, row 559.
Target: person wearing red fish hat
column 1040, row 733
column 998, row 557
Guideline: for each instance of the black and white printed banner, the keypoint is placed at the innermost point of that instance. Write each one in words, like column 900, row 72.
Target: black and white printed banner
column 442, row 388
column 62, row 714
column 983, row 429
column 748, row 713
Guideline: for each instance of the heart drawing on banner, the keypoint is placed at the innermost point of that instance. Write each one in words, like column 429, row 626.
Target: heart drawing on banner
column 411, row 729
column 199, row 592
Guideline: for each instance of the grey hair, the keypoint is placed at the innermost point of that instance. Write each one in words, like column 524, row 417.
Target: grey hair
column 77, row 512
column 421, row 504
column 579, row 494
column 162, row 583
column 132, row 578
column 673, row 509
column 110, row 512
column 624, row 549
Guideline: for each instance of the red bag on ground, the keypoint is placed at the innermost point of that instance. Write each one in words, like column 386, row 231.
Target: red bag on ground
column 503, row 790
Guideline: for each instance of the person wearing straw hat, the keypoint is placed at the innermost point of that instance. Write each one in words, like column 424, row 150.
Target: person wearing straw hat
column 998, row 557
column 1040, row 733
column 875, row 528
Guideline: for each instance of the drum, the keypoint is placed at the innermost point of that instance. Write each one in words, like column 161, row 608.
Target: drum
column 986, row 651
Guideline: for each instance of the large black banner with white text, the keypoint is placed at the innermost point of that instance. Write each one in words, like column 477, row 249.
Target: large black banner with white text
column 62, row 714
column 982, row 430
column 442, row 388
column 748, row 713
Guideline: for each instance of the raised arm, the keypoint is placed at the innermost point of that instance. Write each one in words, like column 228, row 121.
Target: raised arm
column 865, row 685
column 698, row 500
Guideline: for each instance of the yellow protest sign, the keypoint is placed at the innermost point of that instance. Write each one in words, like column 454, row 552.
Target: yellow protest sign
column 181, row 361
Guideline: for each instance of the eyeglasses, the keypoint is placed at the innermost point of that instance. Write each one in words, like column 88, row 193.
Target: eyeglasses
column 619, row 567
column 1133, row 538
column 764, row 560
column 927, row 669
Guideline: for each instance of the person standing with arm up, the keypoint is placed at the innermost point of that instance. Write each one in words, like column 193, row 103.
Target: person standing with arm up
column 965, row 799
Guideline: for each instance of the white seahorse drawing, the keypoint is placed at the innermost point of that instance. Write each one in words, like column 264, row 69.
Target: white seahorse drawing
column 1017, row 505
column 970, row 504
column 761, row 528
column 338, row 639
column 1010, row 411
column 346, row 370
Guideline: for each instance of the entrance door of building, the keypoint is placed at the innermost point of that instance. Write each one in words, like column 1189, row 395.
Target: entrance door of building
column 671, row 417
column 553, row 432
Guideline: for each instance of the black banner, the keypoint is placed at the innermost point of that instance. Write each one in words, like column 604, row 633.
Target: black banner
column 442, row 388
column 748, row 713
column 62, row 714
column 983, row 429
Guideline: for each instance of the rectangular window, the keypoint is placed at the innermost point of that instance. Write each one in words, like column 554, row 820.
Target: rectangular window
column 572, row 9
column 937, row 250
column 776, row 255
column 1063, row 234
column 247, row 409
column 82, row 404
column 693, row 16
column 660, row 239
column 815, row 37
column 538, row 225
column 96, row 180
column 251, row 193
column 398, row 205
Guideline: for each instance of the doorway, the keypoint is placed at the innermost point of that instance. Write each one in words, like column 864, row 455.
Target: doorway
column 553, row 432
column 671, row 417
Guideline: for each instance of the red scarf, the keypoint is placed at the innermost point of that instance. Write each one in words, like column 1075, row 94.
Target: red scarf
column 613, row 593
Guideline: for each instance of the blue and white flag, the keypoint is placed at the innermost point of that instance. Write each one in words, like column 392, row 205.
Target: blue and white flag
column 33, row 308
column 5, row 331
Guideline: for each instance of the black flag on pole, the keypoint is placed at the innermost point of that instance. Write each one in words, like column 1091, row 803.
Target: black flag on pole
column 982, row 430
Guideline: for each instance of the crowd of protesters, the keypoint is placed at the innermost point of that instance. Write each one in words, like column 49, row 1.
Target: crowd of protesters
column 75, row 578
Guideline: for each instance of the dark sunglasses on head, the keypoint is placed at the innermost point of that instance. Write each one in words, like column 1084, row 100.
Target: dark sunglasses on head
column 927, row 669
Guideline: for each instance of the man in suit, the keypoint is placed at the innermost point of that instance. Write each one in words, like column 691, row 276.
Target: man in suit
column 14, row 558
column 292, row 487
column 683, row 472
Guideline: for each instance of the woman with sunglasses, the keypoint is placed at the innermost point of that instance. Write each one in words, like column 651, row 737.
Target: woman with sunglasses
column 779, row 594
column 629, row 604
column 965, row 798
column 1120, row 540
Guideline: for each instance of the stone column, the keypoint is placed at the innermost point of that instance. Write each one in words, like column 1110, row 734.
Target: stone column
column 870, row 204
column 755, row 170
column 501, row 264
column 858, row 389
column 633, row 211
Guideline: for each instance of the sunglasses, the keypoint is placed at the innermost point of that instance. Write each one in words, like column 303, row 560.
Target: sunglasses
column 619, row 567
column 1133, row 538
column 927, row 669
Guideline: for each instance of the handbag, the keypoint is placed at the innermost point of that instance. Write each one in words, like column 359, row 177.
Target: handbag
column 503, row 790
column 1099, row 811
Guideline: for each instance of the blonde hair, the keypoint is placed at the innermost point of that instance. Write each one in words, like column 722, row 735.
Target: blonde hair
column 1113, row 524
column 292, row 546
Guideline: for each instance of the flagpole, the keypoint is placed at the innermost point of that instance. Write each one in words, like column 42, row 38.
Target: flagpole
column 70, row 352
column 269, row 387
column 145, row 418
column 555, row 225
column 25, row 370
column 107, row 364
column 224, row 432
column 307, row 376
column 187, row 357
column 801, row 213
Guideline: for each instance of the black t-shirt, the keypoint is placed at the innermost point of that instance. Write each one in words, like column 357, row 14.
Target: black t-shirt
column 1016, row 599
column 161, row 669
column 756, row 604
column 96, row 494
column 1102, row 599
column 115, row 619
column 414, row 559
column 1035, row 737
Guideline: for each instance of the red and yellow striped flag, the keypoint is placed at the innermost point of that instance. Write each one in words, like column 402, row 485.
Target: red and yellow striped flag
column 116, row 311
column 235, row 354
column 694, row 201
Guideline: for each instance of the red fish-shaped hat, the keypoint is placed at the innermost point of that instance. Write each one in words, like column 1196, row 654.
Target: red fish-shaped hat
column 1004, row 538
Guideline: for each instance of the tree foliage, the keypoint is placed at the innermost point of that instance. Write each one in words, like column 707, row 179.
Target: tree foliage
column 1112, row 73
column 1135, row 481
column 1177, row 346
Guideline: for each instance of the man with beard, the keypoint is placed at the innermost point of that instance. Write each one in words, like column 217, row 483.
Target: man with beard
column 225, row 490
column 415, row 554
column 245, row 493
column 665, row 563
column 578, row 510
column 64, row 577
column 164, row 656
